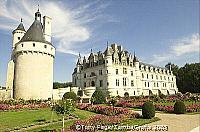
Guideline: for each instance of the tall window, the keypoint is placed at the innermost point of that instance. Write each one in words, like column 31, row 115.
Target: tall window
column 157, row 77
column 132, row 83
column 117, row 72
column 100, row 72
column 101, row 83
column 117, row 82
column 147, row 76
column 106, row 71
column 148, row 84
column 85, row 75
column 33, row 44
column 84, row 84
column 160, row 77
column 124, row 81
column 152, row 76
column 142, row 75
column 124, row 71
column 145, row 84
column 131, row 73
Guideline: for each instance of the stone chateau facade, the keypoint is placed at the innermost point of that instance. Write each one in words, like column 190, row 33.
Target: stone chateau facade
column 117, row 72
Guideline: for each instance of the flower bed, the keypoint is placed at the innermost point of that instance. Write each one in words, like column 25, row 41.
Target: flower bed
column 105, row 110
column 158, row 107
column 106, row 115
column 5, row 107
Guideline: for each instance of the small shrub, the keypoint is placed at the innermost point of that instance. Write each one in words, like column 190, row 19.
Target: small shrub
column 179, row 107
column 98, row 97
column 70, row 95
column 148, row 110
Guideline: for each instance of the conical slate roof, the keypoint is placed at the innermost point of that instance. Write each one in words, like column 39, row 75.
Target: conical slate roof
column 20, row 27
column 34, row 33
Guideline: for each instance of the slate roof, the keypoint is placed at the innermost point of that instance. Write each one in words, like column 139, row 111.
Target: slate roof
column 34, row 33
column 20, row 27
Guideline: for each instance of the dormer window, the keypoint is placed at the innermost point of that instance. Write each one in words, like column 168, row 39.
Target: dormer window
column 33, row 44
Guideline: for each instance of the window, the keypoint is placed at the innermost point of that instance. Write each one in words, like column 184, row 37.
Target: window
column 124, row 71
column 117, row 82
column 165, row 77
column 92, row 83
column 107, row 83
column 22, row 45
column 156, row 76
column 145, row 84
column 160, row 77
column 148, row 84
column 134, row 93
column 147, row 76
column 84, row 84
column 85, row 75
column 106, row 71
column 172, row 78
column 132, row 83
column 117, row 72
column 154, row 84
column 152, row 76
column 157, row 85
column 18, row 38
column 124, row 81
column 142, row 75
column 33, row 44
column 45, row 46
column 100, row 72
column 100, row 83
column 131, row 73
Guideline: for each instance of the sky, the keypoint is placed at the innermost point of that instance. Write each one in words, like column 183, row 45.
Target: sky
column 159, row 31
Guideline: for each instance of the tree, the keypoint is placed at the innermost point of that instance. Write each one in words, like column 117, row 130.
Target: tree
column 64, row 107
column 57, row 85
column 70, row 95
column 187, row 77
column 98, row 97
column 148, row 110
column 113, row 101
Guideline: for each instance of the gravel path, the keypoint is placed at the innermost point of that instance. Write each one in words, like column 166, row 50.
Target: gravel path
column 178, row 123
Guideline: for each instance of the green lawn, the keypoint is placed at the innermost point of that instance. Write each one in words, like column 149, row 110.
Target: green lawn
column 82, row 114
column 23, row 118
column 14, row 119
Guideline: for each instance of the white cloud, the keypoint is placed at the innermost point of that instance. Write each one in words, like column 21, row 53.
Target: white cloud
column 69, row 24
column 179, row 48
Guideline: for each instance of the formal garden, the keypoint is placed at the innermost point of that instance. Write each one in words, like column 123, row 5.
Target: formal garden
column 69, row 115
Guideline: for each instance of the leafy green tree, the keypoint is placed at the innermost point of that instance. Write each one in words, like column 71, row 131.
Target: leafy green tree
column 187, row 77
column 99, row 97
column 70, row 95
column 57, row 85
column 64, row 107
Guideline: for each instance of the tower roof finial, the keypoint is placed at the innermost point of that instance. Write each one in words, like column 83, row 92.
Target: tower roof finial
column 91, row 50
column 21, row 20
column 107, row 44
column 38, row 8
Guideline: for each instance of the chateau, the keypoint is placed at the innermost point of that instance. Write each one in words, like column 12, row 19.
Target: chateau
column 30, row 70
column 117, row 72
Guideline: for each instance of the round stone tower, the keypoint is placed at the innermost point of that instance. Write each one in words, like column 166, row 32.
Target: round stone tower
column 33, row 59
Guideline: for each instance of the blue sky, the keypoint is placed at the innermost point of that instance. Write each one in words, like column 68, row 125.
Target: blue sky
column 160, row 31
